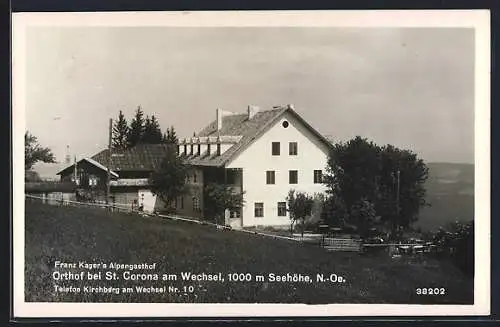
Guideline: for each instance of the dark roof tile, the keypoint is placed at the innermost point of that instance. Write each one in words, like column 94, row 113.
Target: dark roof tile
column 148, row 157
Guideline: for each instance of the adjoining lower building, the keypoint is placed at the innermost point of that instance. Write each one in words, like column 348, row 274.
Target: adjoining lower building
column 261, row 154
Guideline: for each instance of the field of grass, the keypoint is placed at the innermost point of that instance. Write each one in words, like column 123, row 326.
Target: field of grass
column 70, row 234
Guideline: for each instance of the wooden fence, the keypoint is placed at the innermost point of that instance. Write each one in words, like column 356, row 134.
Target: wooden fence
column 342, row 244
column 326, row 241
column 66, row 202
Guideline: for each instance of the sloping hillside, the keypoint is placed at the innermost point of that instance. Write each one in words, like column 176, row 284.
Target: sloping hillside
column 87, row 238
column 450, row 192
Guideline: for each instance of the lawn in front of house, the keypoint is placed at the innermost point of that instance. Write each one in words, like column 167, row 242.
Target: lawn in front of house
column 94, row 235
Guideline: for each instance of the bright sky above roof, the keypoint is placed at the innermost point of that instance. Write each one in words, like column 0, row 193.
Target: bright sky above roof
column 413, row 88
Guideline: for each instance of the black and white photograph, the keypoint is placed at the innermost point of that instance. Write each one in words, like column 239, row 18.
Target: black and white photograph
column 251, row 163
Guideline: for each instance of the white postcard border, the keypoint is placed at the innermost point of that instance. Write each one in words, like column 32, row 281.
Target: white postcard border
column 477, row 19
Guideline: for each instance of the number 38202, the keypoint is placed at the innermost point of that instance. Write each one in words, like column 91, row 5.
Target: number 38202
column 431, row 291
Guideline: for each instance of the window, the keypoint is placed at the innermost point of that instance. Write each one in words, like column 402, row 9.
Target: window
column 92, row 180
column 276, row 148
column 259, row 209
column 293, row 176
column 292, row 148
column 270, row 177
column 285, row 124
column 199, row 149
column 231, row 176
column 235, row 213
column 208, row 148
column 185, row 148
column 281, row 209
column 192, row 149
column 196, row 203
column 318, row 177
column 218, row 149
column 194, row 177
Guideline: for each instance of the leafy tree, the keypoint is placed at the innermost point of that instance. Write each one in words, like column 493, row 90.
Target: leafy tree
column 353, row 170
column 456, row 241
column 402, row 178
column 317, row 208
column 363, row 216
column 32, row 176
column 136, row 129
column 464, row 248
column 120, row 133
column 34, row 152
column 299, row 206
column 390, row 179
column 218, row 198
column 334, row 213
column 169, row 181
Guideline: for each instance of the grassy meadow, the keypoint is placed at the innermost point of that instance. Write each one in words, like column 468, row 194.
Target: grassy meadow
column 93, row 235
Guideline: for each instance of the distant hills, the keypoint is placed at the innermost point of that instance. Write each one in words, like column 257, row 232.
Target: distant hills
column 450, row 192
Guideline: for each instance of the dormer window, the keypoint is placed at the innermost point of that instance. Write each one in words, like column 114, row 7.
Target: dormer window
column 218, row 149
column 199, row 149
column 208, row 148
column 192, row 149
column 185, row 148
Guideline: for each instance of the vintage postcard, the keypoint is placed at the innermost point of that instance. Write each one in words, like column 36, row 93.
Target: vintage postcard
column 251, row 164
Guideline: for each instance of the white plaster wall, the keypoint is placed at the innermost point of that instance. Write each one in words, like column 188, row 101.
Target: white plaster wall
column 258, row 158
column 224, row 147
column 148, row 199
column 203, row 148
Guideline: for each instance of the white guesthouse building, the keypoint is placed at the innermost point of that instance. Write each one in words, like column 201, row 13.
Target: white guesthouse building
column 264, row 154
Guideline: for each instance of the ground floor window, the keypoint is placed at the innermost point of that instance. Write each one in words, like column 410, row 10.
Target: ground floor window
column 281, row 209
column 235, row 214
column 259, row 209
column 196, row 203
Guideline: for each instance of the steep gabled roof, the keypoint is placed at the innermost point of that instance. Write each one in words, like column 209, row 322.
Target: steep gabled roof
column 249, row 129
column 236, row 124
column 92, row 162
column 142, row 157
column 148, row 157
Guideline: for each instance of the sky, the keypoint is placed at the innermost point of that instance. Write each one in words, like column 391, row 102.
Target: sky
column 410, row 87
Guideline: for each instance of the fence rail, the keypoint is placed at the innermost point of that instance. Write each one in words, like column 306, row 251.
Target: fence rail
column 67, row 202
column 326, row 241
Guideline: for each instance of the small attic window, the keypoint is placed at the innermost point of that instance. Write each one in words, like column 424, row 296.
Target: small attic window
column 285, row 124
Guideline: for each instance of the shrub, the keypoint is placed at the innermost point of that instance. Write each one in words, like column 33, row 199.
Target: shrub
column 458, row 244
column 463, row 255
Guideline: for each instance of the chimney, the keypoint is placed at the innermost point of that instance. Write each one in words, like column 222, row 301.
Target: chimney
column 219, row 119
column 68, row 156
column 252, row 110
column 290, row 106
